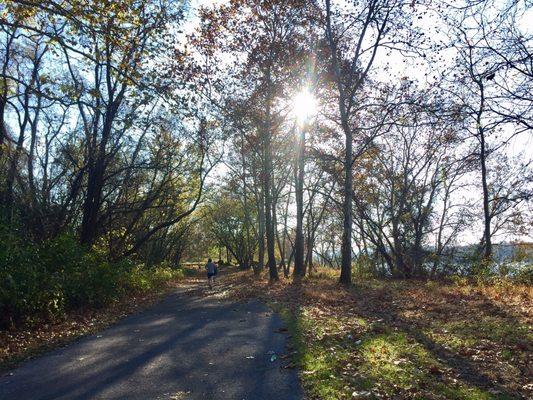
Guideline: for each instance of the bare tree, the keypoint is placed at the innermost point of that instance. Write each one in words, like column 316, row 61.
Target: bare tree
column 354, row 34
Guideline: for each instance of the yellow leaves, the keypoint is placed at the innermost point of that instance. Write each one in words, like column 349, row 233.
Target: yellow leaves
column 15, row 11
column 179, row 395
column 69, row 91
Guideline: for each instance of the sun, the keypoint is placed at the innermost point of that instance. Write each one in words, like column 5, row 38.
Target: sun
column 304, row 106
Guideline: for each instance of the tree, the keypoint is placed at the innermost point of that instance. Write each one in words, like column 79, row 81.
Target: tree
column 354, row 33
column 260, row 43
column 100, row 140
column 231, row 229
column 487, row 84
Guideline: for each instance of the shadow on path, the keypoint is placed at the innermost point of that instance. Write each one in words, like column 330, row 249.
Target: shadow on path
column 186, row 347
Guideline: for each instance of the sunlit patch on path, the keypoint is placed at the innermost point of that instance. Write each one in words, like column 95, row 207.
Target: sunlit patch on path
column 195, row 344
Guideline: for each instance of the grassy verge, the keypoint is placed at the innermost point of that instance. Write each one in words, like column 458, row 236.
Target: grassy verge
column 405, row 339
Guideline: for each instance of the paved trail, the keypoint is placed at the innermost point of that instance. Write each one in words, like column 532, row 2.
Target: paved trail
column 186, row 347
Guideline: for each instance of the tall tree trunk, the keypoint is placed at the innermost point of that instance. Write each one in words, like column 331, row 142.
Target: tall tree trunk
column 267, row 182
column 478, row 80
column 346, row 251
column 270, row 237
column 96, row 175
column 261, row 233
column 248, row 248
column 285, row 239
column 299, row 264
column 487, row 253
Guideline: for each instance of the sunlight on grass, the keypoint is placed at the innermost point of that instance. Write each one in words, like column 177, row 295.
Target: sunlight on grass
column 384, row 363
column 467, row 335
column 401, row 340
column 391, row 359
column 490, row 327
column 467, row 393
column 320, row 365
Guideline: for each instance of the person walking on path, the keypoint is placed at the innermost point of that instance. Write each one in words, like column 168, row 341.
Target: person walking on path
column 211, row 269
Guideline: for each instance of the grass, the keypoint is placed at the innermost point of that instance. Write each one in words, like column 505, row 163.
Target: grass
column 319, row 367
column 405, row 339
column 385, row 359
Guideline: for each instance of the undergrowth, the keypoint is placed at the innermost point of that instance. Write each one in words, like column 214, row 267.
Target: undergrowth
column 42, row 282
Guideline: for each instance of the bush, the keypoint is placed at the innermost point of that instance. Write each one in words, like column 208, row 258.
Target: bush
column 524, row 275
column 141, row 279
column 47, row 280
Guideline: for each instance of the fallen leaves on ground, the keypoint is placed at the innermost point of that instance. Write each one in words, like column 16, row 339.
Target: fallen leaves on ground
column 404, row 339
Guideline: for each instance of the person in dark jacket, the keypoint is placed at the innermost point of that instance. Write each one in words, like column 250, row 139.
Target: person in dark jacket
column 211, row 270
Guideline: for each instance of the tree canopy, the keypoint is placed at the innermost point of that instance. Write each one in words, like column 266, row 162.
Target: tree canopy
column 382, row 137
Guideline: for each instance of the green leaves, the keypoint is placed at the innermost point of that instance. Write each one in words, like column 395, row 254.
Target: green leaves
column 44, row 281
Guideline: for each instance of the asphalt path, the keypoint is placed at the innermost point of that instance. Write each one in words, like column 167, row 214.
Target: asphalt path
column 188, row 346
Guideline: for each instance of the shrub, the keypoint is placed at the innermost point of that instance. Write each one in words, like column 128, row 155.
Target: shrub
column 45, row 281
column 524, row 275
column 27, row 288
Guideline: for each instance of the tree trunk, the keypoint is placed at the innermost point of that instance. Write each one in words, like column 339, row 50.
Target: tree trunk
column 261, row 233
column 299, row 262
column 91, row 205
column 309, row 256
column 346, row 266
column 267, row 183
column 487, row 253
column 270, row 238
column 346, row 250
